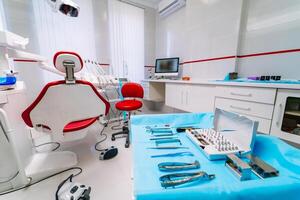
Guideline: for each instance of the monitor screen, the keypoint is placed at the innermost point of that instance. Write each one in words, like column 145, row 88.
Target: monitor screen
column 167, row 65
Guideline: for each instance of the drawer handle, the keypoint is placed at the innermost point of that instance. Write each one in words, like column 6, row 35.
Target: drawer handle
column 279, row 115
column 239, row 94
column 240, row 108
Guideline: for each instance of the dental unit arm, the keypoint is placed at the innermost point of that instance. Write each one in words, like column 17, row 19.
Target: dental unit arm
column 12, row 48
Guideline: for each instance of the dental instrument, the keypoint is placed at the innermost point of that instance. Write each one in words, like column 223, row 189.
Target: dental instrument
column 163, row 138
column 169, row 147
column 172, row 180
column 163, row 135
column 261, row 168
column 178, row 166
column 159, row 142
column 238, row 167
column 184, row 153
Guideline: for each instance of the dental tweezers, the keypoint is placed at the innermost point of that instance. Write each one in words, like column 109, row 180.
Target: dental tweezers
column 172, row 180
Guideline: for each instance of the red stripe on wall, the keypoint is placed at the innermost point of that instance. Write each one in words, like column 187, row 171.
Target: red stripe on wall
column 24, row 60
column 104, row 64
column 240, row 56
column 208, row 59
column 269, row 53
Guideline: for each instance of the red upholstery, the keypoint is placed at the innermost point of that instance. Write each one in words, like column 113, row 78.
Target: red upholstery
column 131, row 90
column 129, row 105
column 73, row 125
column 78, row 125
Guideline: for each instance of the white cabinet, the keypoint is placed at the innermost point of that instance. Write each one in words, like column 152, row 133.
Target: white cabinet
column 174, row 95
column 153, row 91
column 245, row 107
column 200, row 98
column 262, row 95
column 286, row 119
column 254, row 111
column 255, row 103
column 190, row 98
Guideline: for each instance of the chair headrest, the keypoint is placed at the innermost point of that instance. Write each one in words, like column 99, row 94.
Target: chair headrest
column 64, row 56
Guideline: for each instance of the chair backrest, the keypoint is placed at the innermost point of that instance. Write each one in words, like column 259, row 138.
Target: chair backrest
column 133, row 90
column 63, row 102
column 59, row 104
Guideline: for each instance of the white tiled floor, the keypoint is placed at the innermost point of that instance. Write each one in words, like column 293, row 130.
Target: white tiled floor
column 110, row 180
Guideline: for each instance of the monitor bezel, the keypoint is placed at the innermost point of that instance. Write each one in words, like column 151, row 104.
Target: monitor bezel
column 167, row 73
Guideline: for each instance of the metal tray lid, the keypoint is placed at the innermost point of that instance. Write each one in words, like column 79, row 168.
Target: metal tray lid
column 237, row 128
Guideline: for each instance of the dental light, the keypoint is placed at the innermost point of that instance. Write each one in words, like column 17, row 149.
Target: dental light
column 66, row 7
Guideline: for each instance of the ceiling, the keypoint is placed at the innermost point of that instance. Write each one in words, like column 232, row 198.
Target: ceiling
column 149, row 3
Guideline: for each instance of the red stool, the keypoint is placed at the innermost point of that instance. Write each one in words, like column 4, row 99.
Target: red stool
column 129, row 91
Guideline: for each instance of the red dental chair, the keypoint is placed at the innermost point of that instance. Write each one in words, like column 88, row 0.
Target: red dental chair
column 66, row 108
column 130, row 91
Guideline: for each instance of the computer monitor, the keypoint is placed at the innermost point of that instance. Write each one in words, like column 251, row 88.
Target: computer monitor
column 167, row 67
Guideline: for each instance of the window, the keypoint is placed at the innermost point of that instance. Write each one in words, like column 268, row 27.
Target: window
column 58, row 32
column 127, row 40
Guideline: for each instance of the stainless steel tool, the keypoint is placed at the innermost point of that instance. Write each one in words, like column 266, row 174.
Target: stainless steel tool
column 159, row 129
column 238, row 167
column 172, row 180
column 177, row 166
column 261, row 168
column 163, row 138
column 184, row 153
column 159, row 142
column 168, row 147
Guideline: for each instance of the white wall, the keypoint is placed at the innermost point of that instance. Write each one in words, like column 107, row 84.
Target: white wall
column 215, row 28
column 271, row 25
column 204, row 29
column 19, row 19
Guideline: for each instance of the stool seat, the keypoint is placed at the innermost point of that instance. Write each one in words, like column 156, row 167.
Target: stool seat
column 129, row 105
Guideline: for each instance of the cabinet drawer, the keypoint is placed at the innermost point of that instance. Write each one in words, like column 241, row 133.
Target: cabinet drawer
column 261, row 95
column 264, row 125
column 146, row 93
column 244, row 107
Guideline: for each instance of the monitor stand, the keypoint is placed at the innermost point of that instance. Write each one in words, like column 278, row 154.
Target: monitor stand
column 165, row 78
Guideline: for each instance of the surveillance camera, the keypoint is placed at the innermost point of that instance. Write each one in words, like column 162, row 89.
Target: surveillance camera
column 67, row 7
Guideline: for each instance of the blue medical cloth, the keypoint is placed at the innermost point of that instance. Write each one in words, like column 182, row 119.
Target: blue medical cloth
column 225, row 186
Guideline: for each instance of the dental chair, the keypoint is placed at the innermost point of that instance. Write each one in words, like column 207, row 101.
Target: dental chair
column 129, row 91
column 66, row 108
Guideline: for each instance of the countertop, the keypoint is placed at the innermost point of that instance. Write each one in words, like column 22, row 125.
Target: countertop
column 295, row 86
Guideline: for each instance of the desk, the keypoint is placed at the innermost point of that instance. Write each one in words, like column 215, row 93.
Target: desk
column 225, row 186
